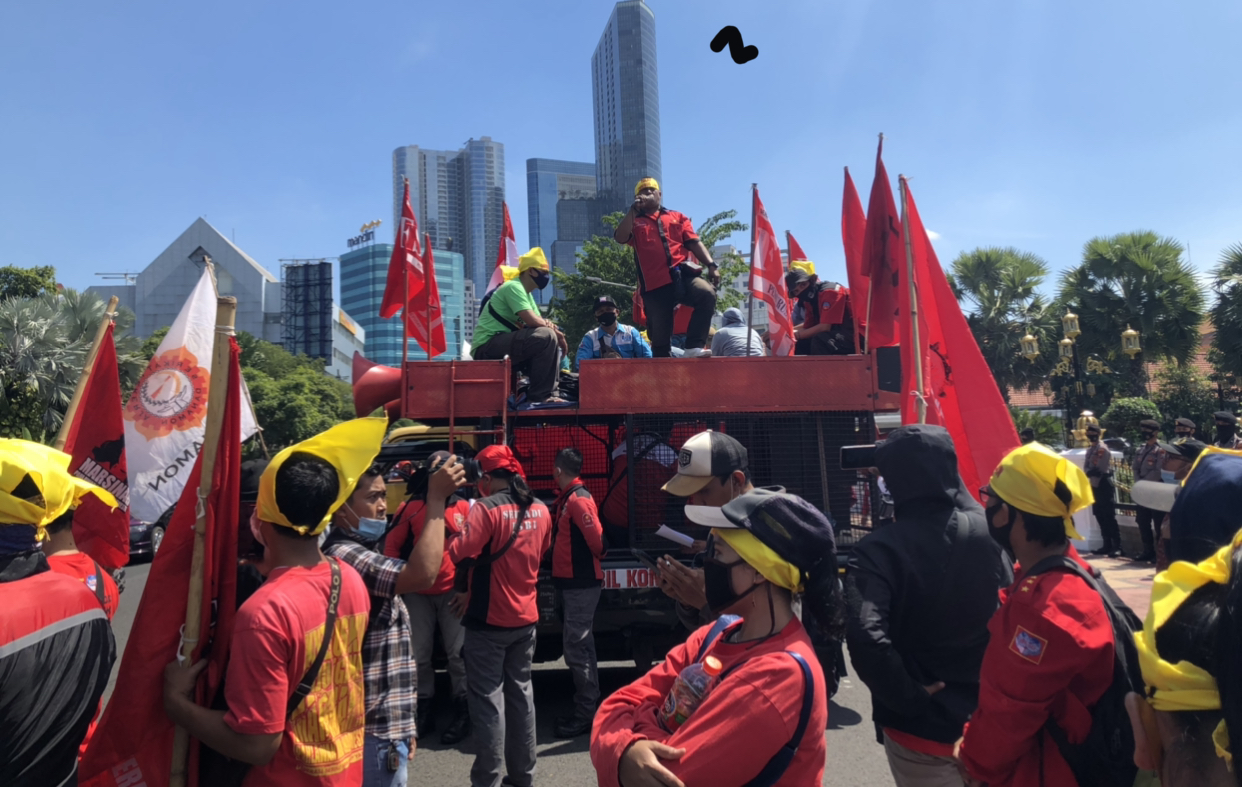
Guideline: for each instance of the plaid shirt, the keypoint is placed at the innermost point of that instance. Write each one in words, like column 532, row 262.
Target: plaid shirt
column 389, row 677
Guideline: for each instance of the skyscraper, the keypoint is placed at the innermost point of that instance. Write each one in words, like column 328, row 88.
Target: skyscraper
column 549, row 180
column 627, row 102
column 458, row 198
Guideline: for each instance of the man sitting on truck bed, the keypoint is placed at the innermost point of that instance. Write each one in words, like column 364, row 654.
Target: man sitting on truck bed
column 510, row 325
column 828, row 327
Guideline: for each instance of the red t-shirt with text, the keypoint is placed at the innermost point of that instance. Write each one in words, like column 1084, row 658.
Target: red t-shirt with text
column 277, row 635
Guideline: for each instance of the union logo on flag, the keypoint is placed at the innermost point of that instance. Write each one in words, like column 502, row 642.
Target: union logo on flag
column 170, row 396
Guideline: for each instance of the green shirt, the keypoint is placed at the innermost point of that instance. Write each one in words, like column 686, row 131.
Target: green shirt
column 508, row 299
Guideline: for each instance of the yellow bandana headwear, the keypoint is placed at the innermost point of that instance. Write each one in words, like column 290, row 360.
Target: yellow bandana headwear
column 509, row 272
column 1027, row 480
column 36, row 487
column 533, row 259
column 760, row 556
column 806, row 266
column 646, row 183
column 349, row 447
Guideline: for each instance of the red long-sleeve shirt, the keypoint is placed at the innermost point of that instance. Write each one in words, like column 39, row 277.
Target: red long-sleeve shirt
column 741, row 724
column 409, row 529
column 577, row 539
column 503, row 592
column 1050, row 654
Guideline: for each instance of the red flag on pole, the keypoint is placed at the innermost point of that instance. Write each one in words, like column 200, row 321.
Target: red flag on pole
column 795, row 249
column 506, row 255
column 424, row 314
column 96, row 441
column 958, row 387
column 767, row 280
column 882, row 260
column 133, row 743
column 853, row 235
column 405, row 267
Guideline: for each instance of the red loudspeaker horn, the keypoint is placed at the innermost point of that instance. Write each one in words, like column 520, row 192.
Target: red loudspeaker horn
column 376, row 386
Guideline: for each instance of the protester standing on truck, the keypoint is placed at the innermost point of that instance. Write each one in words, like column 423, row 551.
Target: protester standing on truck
column 510, row 324
column 664, row 242
column 497, row 556
column 577, row 546
column 429, row 608
column 771, row 697
column 920, row 592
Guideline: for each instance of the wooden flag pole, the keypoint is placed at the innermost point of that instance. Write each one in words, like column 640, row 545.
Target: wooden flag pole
column 405, row 296
column 750, row 300
column 917, row 349
column 217, row 392
column 72, row 411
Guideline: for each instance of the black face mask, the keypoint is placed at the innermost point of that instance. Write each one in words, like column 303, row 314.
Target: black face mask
column 1095, row 438
column 541, row 279
column 718, row 586
column 808, row 294
column 1225, row 432
column 607, row 319
column 1001, row 535
column 1147, row 435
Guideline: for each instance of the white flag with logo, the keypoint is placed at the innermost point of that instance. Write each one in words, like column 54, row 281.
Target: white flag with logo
column 166, row 415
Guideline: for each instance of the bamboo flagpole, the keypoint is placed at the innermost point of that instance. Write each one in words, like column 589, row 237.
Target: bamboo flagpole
column 750, row 300
column 226, row 315
column 871, row 289
column 72, row 411
column 916, row 348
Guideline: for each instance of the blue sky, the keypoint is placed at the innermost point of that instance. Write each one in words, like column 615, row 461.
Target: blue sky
column 1032, row 124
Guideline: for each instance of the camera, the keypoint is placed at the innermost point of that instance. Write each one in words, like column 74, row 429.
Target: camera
column 858, row 457
column 417, row 479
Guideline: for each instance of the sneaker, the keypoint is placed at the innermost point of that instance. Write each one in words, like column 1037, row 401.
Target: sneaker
column 460, row 726
column 698, row 352
column 572, row 727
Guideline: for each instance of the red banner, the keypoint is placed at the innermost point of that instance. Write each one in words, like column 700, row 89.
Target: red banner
column 883, row 261
column 133, row 743
column 853, row 235
column 424, row 315
column 958, row 387
column 96, row 441
column 795, row 248
column 405, row 267
column 767, row 280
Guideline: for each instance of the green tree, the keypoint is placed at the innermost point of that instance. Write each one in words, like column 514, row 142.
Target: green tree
column 1049, row 429
column 1181, row 392
column 26, row 282
column 713, row 232
column 1140, row 280
column 998, row 289
column 1122, row 417
column 152, row 342
column 1227, row 314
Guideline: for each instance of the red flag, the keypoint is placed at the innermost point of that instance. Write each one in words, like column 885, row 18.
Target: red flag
column 507, row 254
column 405, row 267
column 795, row 250
column 853, row 235
column 767, row 280
column 958, row 386
column 133, row 743
column 96, row 441
column 424, row 315
column 882, row 260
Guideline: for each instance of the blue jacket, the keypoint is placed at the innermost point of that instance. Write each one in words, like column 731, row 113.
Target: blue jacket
column 628, row 342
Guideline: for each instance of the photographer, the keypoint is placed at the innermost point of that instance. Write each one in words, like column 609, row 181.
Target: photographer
column 430, row 608
column 663, row 241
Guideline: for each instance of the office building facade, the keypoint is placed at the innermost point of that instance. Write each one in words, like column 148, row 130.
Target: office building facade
column 626, row 94
column 547, row 182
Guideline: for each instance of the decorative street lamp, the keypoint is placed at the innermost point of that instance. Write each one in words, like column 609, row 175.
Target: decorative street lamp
column 1030, row 347
column 1130, row 342
column 1069, row 324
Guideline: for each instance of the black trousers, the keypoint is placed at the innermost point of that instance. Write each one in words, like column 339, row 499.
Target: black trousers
column 1147, row 519
column 700, row 295
column 1105, row 511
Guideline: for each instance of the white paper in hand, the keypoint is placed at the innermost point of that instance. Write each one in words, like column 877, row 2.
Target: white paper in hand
column 674, row 536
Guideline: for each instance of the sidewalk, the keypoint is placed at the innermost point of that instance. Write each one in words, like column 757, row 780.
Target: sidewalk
column 1131, row 580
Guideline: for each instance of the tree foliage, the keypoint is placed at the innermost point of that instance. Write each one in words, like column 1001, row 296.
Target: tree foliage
column 26, row 282
column 713, row 232
column 1181, row 392
column 1049, row 429
column 1135, row 279
column 998, row 289
column 1122, row 417
column 1226, row 314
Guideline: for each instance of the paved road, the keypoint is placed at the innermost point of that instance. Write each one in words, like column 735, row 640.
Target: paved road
column 854, row 759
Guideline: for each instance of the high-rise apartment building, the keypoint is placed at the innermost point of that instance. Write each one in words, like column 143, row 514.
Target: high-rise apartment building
column 550, row 180
column 458, row 198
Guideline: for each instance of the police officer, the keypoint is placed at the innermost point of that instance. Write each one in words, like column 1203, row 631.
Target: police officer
column 1050, row 654
column 1183, row 430
column 1226, row 431
column 1098, row 464
column 1147, row 466
column 611, row 339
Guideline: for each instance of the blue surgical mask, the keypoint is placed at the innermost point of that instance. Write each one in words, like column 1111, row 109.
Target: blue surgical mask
column 1167, row 477
column 371, row 529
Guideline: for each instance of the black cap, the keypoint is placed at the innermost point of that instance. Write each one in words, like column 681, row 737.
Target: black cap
column 795, row 276
column 1226, row 416
column 1093, row 428
column 1148, row 423
column 798, row 532
column 605, row 300
column 1186, row 422
column 705, row 456
column 1029, row 432
column 251, row 471
column 1190, row 449
column 1169, row 448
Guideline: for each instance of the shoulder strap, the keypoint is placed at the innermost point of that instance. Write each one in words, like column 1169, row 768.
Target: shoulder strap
column 713, row 634
column 496, row 316
column 484, row 560
column 329, row 627
column 776, row 767
column 99, row 583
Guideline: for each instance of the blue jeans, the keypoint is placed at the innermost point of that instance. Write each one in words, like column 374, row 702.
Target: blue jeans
column 375, row 771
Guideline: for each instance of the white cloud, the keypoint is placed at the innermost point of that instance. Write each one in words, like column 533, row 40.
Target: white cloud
column 933, row 235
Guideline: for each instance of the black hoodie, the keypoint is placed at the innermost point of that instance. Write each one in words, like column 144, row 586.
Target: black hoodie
column 922, row 589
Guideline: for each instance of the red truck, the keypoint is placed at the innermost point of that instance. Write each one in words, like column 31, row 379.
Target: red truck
column 793, row 414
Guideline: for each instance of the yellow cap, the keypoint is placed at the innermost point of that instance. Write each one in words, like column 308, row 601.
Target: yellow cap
column 349, row 447
column 1037, row 480
column 36, row 487
column 760, row 557
column 646, row 183
column 806, row 266
column 533, row 259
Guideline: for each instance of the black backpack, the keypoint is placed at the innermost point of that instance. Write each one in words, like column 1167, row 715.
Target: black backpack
column 1106, row 757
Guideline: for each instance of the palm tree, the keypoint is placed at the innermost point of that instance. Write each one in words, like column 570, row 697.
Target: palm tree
column 1227, row 313
column 997, row 289
column 1137, row 280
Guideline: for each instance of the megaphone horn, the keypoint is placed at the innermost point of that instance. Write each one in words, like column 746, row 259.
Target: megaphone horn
column 375, row 386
